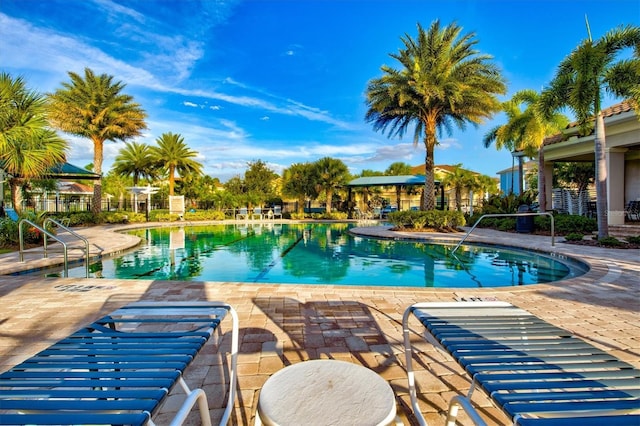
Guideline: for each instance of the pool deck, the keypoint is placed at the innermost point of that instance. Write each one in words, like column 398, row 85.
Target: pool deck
column 285, row 324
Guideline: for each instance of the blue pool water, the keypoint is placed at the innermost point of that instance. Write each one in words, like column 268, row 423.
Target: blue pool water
column 321, row 254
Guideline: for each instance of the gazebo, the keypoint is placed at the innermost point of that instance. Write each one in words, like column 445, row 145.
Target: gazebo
column 401, row 181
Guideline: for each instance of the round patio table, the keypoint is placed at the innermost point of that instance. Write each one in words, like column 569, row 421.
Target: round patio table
column 326, row 392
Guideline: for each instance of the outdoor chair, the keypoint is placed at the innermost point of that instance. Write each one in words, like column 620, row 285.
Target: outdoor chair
column 277, row 212
column 632, row 210
column 119, row 369
column 243, row 213
column 257, row 212
column 536, row 373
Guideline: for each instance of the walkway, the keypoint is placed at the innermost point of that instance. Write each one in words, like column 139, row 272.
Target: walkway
column 285, row 324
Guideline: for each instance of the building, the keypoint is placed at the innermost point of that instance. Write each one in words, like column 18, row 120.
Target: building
column 622, row 157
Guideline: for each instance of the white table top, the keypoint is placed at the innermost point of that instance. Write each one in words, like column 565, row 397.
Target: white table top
column 326, row 392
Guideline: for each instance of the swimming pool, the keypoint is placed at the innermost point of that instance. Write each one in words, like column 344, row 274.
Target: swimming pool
column 321, row 254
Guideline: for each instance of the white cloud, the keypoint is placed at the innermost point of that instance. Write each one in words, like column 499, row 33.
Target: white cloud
column 190, row 104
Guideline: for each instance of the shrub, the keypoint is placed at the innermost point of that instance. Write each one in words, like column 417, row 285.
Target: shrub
column 633, row 240
column 610, row 242
column 574, row 236
column 204, row 215
column 436, row 219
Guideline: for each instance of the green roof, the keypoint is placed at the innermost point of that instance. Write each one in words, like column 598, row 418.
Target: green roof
column 69, row 171
column 403, row 180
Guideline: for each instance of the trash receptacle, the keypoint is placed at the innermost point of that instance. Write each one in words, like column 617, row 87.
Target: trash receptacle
column 524, row 223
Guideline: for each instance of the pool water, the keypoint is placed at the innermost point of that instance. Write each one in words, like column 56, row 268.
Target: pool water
column 321, row 254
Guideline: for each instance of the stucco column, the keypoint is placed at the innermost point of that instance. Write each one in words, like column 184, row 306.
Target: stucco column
column 548, row 178
column 615, row 185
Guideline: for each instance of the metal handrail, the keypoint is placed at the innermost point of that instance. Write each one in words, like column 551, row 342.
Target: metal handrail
column 505, row 215
column 47, row 234
column 75, row 234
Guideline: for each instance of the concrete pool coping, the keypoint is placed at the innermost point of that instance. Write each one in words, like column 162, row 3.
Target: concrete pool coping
column 281, row 325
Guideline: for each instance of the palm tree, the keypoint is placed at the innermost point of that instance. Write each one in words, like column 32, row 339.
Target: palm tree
column 28, row 147
column 581, row 79
column 172, row 155
column 525, row 131
column 443, row 82
column 299, row 182
column 94, row 107
column 135, row 159
column 458, row 180
column 332, row 174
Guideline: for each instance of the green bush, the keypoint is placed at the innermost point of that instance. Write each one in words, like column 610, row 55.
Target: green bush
column 436, row 219
column 610, row 242
column 574, row 236
column 633, row 240
column 204, row 215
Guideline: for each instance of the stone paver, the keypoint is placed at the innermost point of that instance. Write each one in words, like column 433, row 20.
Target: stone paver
column 285, row 324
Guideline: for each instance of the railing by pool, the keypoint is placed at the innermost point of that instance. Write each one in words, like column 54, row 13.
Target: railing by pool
column 506, row 215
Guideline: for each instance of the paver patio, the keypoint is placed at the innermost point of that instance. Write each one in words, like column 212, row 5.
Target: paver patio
column 285, row 324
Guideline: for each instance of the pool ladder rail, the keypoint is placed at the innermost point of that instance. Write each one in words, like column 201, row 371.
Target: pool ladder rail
column 46, row 235
column 508, row 215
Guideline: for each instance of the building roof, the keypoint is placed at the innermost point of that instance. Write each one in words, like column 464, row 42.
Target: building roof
column 440, row 168
column 616, row 109
column 69, row 171
column 388, row 180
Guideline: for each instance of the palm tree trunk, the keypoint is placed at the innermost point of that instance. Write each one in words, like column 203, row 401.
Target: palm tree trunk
column 171, row 179
column 96, row 206
column 601, row 177
column 329, row 198
column 429, row 201
column 16, row 194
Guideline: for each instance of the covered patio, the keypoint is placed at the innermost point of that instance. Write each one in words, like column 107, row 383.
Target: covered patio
column 400, row 183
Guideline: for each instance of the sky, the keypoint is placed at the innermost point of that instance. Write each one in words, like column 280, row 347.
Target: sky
column 284, row 81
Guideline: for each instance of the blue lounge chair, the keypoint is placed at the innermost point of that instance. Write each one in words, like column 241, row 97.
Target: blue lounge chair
column 536, row 373
column 119, row 369
column 243, row 213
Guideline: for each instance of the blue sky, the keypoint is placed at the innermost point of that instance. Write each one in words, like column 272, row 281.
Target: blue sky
column 284, row 81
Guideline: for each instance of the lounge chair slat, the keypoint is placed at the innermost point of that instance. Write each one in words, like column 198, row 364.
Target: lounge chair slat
column 622, row 384
column 75, row 419
column 29, row 394
column 524, row 368
column 103, row 365
column 87, row 405
column 17, row 374
column 619, row 420
column 623, row 373
column 516, row 407
column 106, row 351
column 89, row 383
column 83, row 359
column 584, row 396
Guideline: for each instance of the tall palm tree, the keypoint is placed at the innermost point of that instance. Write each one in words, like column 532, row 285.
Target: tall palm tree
column 173, row 155
column 94, row 107
column 332, row 174
column 581, row 78
column 135, row 159
column 525, row 131
column 28, row 146
column 443, row 81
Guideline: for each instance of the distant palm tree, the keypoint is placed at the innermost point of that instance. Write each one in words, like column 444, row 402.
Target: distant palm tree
column 94, row 107
column 579, row 83
column 28, row 147
column 458, row 180
column 135, row 159
column 299, row 182
column 173, row 155
column 525, row 131
column 332, row 174
column 443, row 82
